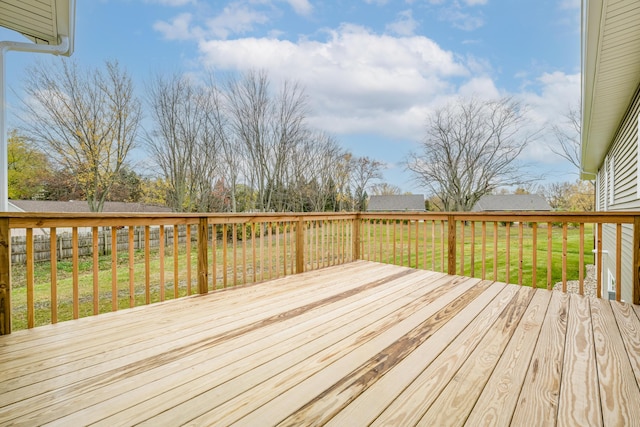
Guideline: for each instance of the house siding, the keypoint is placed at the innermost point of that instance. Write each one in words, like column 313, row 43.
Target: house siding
column 623, row 156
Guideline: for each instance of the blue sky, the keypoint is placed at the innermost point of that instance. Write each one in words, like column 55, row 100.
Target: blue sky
column 373, row 69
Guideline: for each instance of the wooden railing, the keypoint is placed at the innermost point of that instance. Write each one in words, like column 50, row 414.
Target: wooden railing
column 227, row 250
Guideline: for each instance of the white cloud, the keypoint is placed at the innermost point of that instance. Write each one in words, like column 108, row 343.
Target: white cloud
column 404, row 25
column 301, row 7
column 179, row 28
column 549, row 98
column 235, row 18
column 460, row 19
column 174, row 3
column 357, row 81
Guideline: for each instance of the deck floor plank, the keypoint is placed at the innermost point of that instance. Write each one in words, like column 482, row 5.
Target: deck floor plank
column 357, row 344
column 629, row 325
column 579, row 402
column 500, row 395
column 277, row 342
column 381, row 394
column 409, row 406
column 538, row 398
column 618, row 386
column 458, row 398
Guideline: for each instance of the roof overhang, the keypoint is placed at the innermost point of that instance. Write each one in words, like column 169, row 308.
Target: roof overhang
column 610, row 74
column 45, row 22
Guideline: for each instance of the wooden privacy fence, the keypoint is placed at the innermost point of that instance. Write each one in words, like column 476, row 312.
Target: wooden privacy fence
column 64, row 242
column 226, row 250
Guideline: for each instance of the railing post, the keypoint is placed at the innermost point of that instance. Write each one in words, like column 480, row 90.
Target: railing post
column 451, row 222
column 203, row 256
column 300, row 246
column 635, row 275
column 356, row 237
column 5, row 276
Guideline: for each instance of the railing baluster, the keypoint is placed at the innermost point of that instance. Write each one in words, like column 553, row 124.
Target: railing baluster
column 409, row 243
column 53, row 255
column 495, row 250
column 599, row 260
column 161, row 254
column 176, row 275
column 416, row 243
column 473, row 249
column 188, row 258
column 581, row 261
column 225, row 255
column 147, row 264
column 549, row 255
column 618, row 261
column 203, row 256
column 433, row 245
column 462, row 247
column 96, row 271
column 132, row 285
column 114, row 269
column 534, row 255
column 442, row 245
column 234, row 230
column 521, row 251
column 214, row 256
column 31, row 319
column 484, row 250
column 75, row 279
column 253, row 253
column 564, row 256
column 508, row 252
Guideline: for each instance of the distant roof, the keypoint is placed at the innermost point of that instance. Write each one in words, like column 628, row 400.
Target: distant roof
column 405, row 202
column 80, row 206
column 511, row 202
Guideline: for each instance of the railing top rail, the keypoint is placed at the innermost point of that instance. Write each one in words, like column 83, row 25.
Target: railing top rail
column 57, row 219
column 89, row 219
column 622, row 217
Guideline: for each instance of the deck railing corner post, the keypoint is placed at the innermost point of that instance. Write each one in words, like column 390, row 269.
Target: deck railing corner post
column 203, row 256
column 5, row 277
column 451, row 265
column 356, row 237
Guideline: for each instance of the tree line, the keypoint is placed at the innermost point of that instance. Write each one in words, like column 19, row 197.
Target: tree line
column 232, row 145
column 239, row 143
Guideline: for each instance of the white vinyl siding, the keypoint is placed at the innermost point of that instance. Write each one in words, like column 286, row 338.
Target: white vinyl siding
column 618, row 189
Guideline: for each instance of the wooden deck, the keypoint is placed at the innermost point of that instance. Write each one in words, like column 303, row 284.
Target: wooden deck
column 358, row 344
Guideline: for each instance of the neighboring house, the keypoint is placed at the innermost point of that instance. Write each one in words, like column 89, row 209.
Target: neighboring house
column 77, row 206
column 511, row 202
column 80, row 206
column 405, row 202
column 611, row 121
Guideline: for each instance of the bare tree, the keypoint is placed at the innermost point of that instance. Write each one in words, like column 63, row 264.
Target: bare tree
column 86, row 120
column 568, row 137
column 470, row 149
column 182, row 142
column 363, row 171
column 385, row 189
column 269, row 127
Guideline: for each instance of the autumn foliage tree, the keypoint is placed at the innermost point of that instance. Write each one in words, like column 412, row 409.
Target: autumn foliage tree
column 28, row 168
column 86, row 120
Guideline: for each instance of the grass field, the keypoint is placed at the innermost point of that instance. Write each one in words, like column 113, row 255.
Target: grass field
column 384, row 245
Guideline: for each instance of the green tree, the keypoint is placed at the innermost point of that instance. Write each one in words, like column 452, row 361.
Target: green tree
column 27, row 168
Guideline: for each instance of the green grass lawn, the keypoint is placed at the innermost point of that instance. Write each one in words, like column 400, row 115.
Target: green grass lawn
column 430, row 255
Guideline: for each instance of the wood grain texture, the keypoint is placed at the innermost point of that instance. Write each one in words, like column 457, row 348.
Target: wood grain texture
column 498, row 400
column 538, row 399
column 579, row 402
column 618, row 385
column 357, row 344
